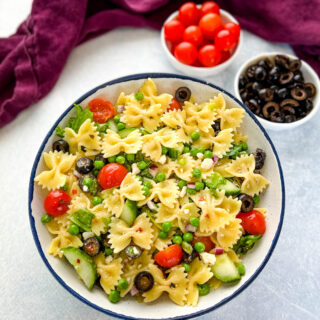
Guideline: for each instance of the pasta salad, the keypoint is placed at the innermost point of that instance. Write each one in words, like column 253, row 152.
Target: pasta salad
column 154, row 194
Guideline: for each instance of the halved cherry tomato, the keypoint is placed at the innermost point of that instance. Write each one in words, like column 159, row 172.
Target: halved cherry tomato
column 209, row 23
column 173, row 31
column 253, row 222
column 174, row 105
column 186, row 52
column 209, row 6
column 224, row 40
column 193, row 34
column 111, row 175
column 234, row 29
column 102, row 110
column 209, row 55
column 189, row 14
column 56, row 203
column 169, row 257
column 209, row 245
column 225, row 55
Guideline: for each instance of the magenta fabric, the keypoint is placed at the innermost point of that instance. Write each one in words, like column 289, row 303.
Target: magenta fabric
column 32, row 59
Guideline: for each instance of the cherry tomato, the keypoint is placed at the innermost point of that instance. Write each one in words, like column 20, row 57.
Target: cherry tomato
column 56, row 203
column 209, row 245
column 234, row 29
column 173, row 31
column 189, row 14
column 174, row 105
column 111, row 175
column 169, row 257
column 224, row 40
column 194, row 35
column 102, row 110
column 209, row 23
column 253, row 222
column 209, row 6
column 209, row 55
column 186, row 53
column 225, row 55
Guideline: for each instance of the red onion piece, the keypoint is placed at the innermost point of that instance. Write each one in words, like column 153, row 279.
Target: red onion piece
column 134, row 291
column 120, row 108
column 191, row 185
column 218, row 251
column 151, row 205
column 215, row 159
column 191, row 228
column 153, row 170
column 77, row 174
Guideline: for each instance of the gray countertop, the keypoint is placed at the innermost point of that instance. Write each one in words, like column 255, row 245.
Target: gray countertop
column 288, row 287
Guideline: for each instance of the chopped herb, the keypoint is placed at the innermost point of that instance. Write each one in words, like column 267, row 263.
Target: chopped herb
column 59, row 132
column 245, row 243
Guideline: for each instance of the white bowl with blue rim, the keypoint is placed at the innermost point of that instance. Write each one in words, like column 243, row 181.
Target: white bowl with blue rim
column 128, row 308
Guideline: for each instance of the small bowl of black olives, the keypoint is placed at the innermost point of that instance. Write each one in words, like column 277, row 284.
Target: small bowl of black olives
column 281, row 90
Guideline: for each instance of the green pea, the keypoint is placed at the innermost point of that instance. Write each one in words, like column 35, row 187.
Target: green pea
column 108, row 251
column 142, row 165
column 164, row 150
column 120, row 159
column 201, row 150
column 96, row 200
column 87, row 182
column 191, row 191
column 204, row 289
column 199, row 185
column 188, row 237
column 256, row 199
column 195, row 135
column 182, row 161
column 194, row 221
column 95, row 172
column 112, row 159
column 139, row 96
column 208, row 154
column 187, row 267
column 185, row 149
column 199, row 246
column 114, row 296
column 130, row 157
column 65, row 187
column 166, row 226
column 241, row 269
column 182, row 184
column 194, row 152
column 163, row 235
column 244, row 146
column 123, row 284
column 121, row 126
column 177, row 239
column 196, row 173
column 74, row 229
column 160, row 177
column 145, row 190
column 45, row 218
column 147, row 184
column 116, row 118
column 98, row 164
column 173, row 154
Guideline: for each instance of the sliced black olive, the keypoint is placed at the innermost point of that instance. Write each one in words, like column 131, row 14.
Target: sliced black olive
column 283, row 93
column 60, row 145
column 277, row 116
column 281, row 61
column 80, row 182
column 260, row 73
column 133, row 251
column 105, row 240
column 183, row 94
column 84, row 165
column 290, row 118
column 308, row 105
column 294, row 65
column 298, row 76
column 216, row 127
column 266, row 94
column 250, row 73
column 310, row 89
column 289, row 102
column 242, row 82
column 245, row 95
column 266, row 64
column 247, row 203
column 144, row 281
column 268, row 108
column 274, row 74
column 286, row 78
column 288, row 110
column 256, row 86
column 298, row 94
column 259, row 157
column 300, row 112
column 99, row 157
column 91, row 246
column 188, row 258
column 253, row 105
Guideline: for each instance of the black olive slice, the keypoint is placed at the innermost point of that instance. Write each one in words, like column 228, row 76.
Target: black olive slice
column 282, row 61
column 268, row 108
column 80, row 182
column 308, row 105
column 294, row 65
column 288, row 110
column 247, row 203
column 274, row 74
column 60, row 145
column 289, row 102
column 249, row 87
column 133, row 252
column 260, row 73
column 298, row 77
column 266, row 63
column 298, row 94
column 256, row 86
column 183, row 94
column 245, row 95
column 84, row 165
column 277, row 116
column 283, row 93
column 290, row 118
column 250, row 73
column 144, row 281
column 91, row 246
column 253, row 105
column 286, row 78
column 105, row 240
column 266, row 94
column 310, row 89
column 216, row 126
column 259, row 157
column 242, row 82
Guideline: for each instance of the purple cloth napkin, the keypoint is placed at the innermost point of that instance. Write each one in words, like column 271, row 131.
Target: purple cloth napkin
column 32, row 59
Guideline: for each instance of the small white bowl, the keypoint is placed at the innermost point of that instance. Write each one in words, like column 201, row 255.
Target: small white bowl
column 309, row 75
column 200, row 71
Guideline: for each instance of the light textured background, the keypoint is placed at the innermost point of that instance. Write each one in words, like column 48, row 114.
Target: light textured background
column 289, row 286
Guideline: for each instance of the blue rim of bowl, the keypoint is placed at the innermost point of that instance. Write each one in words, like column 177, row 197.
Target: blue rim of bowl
column 139, row 77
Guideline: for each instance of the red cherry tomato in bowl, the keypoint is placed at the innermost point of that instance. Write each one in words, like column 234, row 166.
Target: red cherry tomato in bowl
column 209, row 55
column 189, row 14
column 174, row 105
column 186, row 53
column 234, row 29
column 194, row 35
column 253, row 222
column 209, row 23
column 102, row 110
column 111, row 175
column 57, row 203
column 209, row 6
column 173, row 31
column 169, row 257
column 209, row 245
column 224, row 40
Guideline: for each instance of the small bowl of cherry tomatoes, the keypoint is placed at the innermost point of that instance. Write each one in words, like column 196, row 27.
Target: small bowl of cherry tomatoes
column 201, row 40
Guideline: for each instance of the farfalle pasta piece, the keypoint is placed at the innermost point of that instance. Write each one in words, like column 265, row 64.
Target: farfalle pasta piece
column 254, row 184
column 204, row 198
column 242, row 166
column 221, row 167
column 199, row 274
column 112, row 144
column 222, row 143
column 131, row 188
column 113, row 201
column 184, row 171
column 140, row 233
column 86, row 141
column 174, row 119
column 175, row 285
column 238, row 137
column 158, row 243
column 231, row 205
column 206, row 139
column 212, row 219
column 109, row 272
column 59, row 164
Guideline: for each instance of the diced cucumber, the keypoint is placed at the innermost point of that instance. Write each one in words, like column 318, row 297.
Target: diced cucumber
column 230, row 188
column 129, row 212
column 125, row 132
column 224, row 269
column 112, row 125
column 83, row 264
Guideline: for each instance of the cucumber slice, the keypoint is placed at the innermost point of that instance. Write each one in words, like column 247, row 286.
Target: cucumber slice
column 129, row 212
column 112, row 125
column 230, row 188
column 83, row 264
column 125, row 132
column 224, row 269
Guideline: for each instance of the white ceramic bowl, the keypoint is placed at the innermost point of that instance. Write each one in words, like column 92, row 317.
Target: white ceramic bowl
column 309, row 75
column 128, row 308
column 200, row 71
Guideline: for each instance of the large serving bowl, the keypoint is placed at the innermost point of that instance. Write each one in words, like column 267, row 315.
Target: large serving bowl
column 128, row 308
